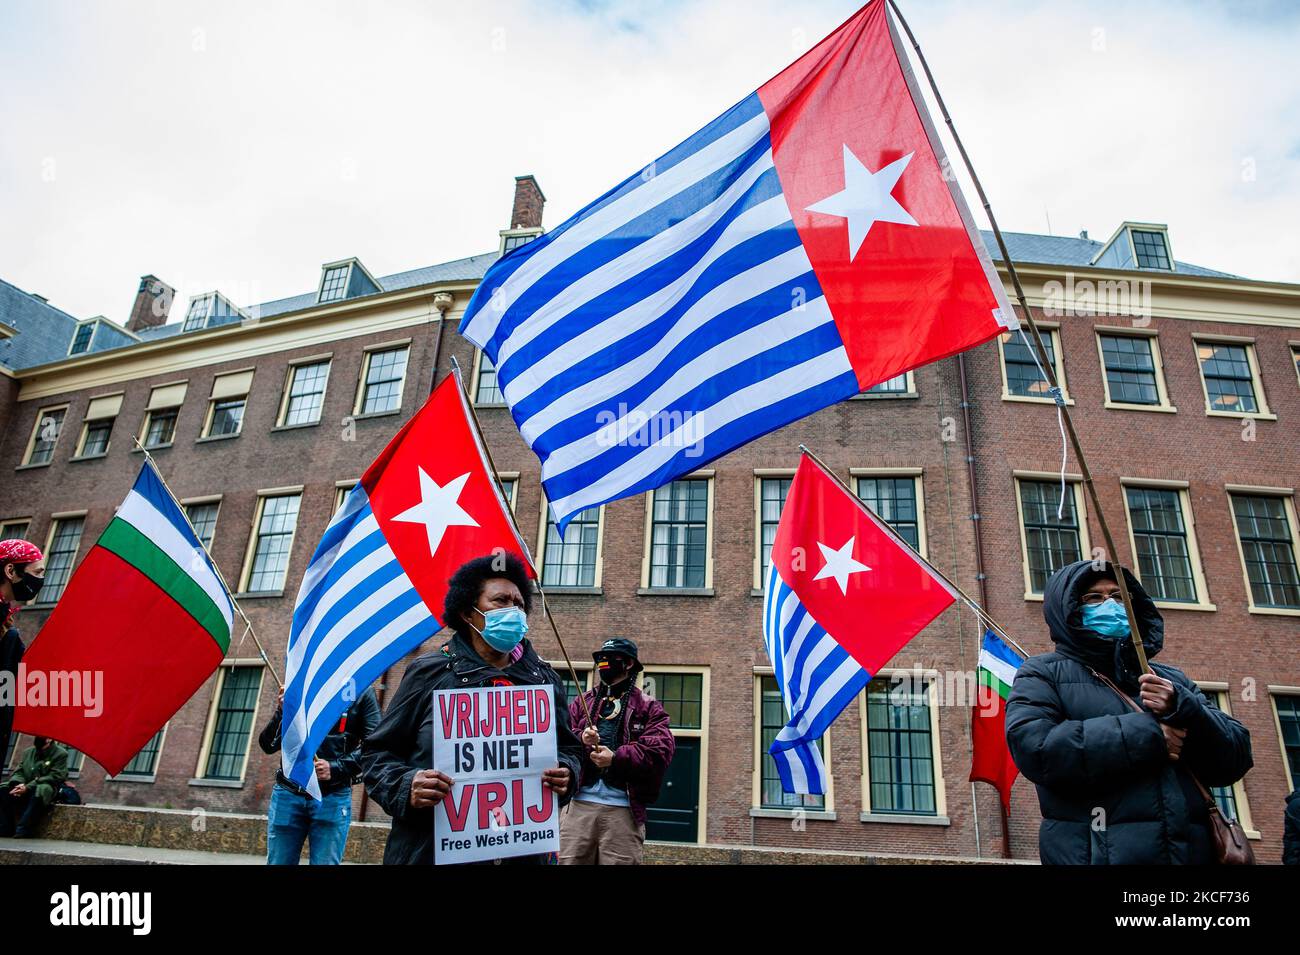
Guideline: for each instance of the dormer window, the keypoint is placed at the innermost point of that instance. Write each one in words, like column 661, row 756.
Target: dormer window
column 1137, row 245
column 81, row 339
column 344, row 279
column 513, row 238
column 1152, row 252
column 334, row 284
column 197, row 316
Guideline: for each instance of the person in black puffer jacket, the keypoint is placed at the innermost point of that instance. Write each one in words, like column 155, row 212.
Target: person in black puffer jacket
column 1115, row 785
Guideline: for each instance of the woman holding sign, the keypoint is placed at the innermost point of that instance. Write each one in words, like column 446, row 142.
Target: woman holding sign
column 487, row 606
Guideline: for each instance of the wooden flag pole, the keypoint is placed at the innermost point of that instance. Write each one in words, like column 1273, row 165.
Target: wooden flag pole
column 248, row 624
column 496, row 481
column 969, row 601
column 1040, row 348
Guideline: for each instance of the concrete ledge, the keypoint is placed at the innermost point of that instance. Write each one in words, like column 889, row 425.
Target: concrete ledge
column 107, row 834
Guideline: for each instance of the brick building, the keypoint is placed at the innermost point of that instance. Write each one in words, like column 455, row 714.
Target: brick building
column 1186, row 387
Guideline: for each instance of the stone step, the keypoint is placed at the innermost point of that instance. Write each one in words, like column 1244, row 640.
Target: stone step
column 153, row 835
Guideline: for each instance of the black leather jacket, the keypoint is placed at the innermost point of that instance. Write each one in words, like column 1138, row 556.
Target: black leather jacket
column 341, row 750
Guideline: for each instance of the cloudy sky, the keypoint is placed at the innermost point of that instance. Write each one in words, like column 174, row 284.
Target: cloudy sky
column 240, row 145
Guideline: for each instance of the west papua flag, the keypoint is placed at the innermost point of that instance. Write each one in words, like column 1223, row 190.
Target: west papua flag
column 375, row 587
column 806, row 245
column 843, row 595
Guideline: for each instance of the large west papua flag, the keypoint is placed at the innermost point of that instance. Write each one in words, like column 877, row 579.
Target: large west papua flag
column 799, row 249
column 374, row 589
column 843, row 595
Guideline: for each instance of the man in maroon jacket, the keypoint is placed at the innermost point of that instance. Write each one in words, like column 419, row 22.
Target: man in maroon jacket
column 628, row 752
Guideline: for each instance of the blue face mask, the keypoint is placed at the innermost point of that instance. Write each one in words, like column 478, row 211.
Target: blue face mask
column 1107, row 618
column 503, row 628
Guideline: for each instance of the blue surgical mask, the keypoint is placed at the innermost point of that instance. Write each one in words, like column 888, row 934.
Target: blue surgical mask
column 503, row 628
column 1107, row 618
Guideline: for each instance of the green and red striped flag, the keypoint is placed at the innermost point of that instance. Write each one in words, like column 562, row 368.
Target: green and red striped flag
column 991, row 758
column 144, row 621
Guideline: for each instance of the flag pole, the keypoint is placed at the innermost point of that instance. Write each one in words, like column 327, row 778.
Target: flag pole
column 496, row 482
column 979, row 611
column 248, row 624
column 1041, row 350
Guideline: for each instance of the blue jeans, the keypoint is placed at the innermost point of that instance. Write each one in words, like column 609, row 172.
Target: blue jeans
column 293, row 819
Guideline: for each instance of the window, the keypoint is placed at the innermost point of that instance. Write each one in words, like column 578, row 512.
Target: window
column 98, row 426
column 894, row 500
column 305, row 393
column 679, row 535
column 1162, row 543
column 571, row 689
column 145, row 762
column 1266, row 533
column 381, row 381
column 573, row 561
column 1132, row 371
column 900, row 748
column 515, row 240
column 1020, row 375
column 226, row 406
column 277, row 518
column 1295, row 359
column 897, row 387
column 14, row 530
column 45, row 435
column 771, row 720
column 341, row 491
column 1288, row 725
column 160, row 415
column 680, row 694
column 1050, row 542
column 232, row 722
column 81, row 339
column 771, row 493
column 1152, row 253
column 60, row 555
column 1231, row 378
column 197, row 316
column 334, row 283
column 203, row 515
column 487, row 390
column 76, row 761
column 509, row 488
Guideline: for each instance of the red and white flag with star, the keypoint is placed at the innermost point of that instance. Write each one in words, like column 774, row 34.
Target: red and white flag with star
column 843, row 595
column 375, row 587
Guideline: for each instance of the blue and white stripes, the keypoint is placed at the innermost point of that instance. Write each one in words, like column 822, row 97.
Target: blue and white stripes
column 357, row 613
column 673, row 319
column 817, row 678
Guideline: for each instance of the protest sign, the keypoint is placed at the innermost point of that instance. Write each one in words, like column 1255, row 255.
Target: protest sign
column 495, row 742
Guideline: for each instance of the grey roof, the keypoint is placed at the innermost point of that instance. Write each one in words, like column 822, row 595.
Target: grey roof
column 43, row 331
column 1069, row 250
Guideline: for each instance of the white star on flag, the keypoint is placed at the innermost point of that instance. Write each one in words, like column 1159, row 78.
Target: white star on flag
column 438, row 508
column 840, row 564
column 867, row 198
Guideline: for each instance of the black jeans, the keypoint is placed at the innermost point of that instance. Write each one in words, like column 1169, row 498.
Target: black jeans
column 26, row 809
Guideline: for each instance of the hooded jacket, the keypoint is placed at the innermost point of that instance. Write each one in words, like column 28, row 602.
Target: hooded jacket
column 402, row 743
column 1108, row 792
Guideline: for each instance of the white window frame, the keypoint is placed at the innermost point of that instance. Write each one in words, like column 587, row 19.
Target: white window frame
column 1157, row 361
column 1287, row 496
column 341, row 490
column 1051, row 331
column 756, row 808
column 1224, row 698
column 36, row 426
column 474, row 382
column 246, row 573
column 1292, row 779
column 760, row 475
column 206, row 434
column 707, row 589
column 79, row 453
column 1193, row 548
column 1074, row 482
column 328, row 361
column 917, row 476
column 55, row 521
column 368, row 354
column 891, row 396
column 598, row 577
column 199, row 501
column 210, row 726
column 1256, row 378
column 144, row 779
column 940, row 818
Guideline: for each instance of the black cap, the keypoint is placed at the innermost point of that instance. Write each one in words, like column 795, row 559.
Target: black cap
column 618, row 645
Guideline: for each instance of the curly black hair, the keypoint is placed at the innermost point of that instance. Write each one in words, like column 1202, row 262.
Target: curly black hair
column 466, row 585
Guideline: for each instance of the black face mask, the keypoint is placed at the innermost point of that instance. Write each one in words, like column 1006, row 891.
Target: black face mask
column 615, row 672
column 26, row 587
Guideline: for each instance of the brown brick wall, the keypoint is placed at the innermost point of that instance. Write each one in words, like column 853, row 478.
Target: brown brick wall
column 722, row 632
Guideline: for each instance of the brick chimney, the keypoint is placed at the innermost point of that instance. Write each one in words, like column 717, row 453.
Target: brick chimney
column 153, row 300
column 527, row 213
